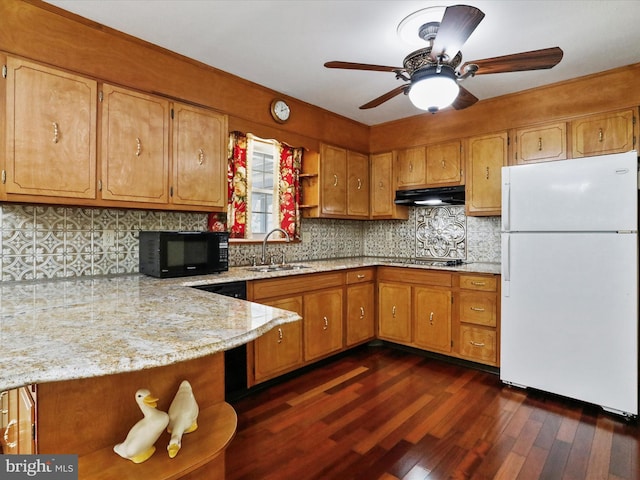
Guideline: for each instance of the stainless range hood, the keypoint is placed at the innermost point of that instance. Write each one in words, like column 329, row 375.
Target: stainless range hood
column 426, row 197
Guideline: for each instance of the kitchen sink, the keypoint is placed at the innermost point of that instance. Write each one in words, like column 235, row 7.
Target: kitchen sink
column 276, row 268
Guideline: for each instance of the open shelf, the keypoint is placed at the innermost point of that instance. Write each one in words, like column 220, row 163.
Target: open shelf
column 216, row 428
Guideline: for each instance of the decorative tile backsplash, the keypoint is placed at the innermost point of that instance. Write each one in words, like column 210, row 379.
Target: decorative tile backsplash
column 441, row 232
column 38, row 242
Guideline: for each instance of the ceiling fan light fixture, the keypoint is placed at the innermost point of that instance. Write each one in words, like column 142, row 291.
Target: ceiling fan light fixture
column 432, row 90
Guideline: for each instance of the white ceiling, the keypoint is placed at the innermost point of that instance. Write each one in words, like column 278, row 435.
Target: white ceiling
column 283, row 44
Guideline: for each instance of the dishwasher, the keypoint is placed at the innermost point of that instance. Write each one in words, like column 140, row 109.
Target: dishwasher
column 235, row 360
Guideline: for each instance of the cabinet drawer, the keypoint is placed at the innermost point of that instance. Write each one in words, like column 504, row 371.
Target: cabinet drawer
column 360, row 275
column 416, row 276
column 478, row 308
column 478, row 344
column 478, row 282
column 295, row 284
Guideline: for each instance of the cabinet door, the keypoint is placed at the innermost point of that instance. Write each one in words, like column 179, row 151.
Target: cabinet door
column 358, row 188
column 479, row 308
column 360, row 313
column 444, row 164
column 322, row 323
column 26, row 422
column 280, row 349
column 479, row 344
column 51, row 132
column 199, row 157
column 135, row 150
column 603, row 134
column 541, row 143
column 486, row 156
column 432, row 319
column 394, row 312
column 9, row 438
column 333, row 177
column 411, row 167
column 383, row 188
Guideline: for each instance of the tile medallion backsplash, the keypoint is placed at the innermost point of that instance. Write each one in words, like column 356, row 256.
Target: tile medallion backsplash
column 441, row 232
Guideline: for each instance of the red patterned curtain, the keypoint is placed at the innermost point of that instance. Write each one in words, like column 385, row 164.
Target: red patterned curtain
column 235, row 220
column 289, row 189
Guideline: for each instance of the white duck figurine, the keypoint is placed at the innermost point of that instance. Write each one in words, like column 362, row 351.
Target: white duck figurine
column 183, row 417
column 139, row 444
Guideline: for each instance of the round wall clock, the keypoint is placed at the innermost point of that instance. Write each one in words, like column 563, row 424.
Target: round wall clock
column 280, row 110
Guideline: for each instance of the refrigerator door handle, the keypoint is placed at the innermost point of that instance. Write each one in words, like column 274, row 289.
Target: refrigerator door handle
column 506, row 265
column 506, row 197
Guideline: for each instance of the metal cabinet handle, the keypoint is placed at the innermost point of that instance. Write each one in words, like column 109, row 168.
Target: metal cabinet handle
column 381, row 184
column 280, row 335
column 359, row 184
column 393, row 311
column 410, row 167
column 478, row 284
column 600, row 135
column 475, row 344
column 442, row 163
column 326, row 323
column 335, row 180
column 138, row 147
column 12, row 423
column 431, row 319
column 200, row 156
column 55, row 132
column 361, row 312
column 539, row 144
column 360, row 276
column 477, row 309
column 487, row 173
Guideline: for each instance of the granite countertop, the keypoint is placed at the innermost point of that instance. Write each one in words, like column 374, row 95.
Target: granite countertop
column 83, row 327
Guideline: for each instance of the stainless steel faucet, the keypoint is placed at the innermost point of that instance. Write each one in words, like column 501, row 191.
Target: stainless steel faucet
column 264, row 243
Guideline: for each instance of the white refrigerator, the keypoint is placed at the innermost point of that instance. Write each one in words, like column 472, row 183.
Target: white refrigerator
column 569, row 307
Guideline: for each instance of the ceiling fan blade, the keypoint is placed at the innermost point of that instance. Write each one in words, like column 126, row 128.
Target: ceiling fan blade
column 383, row 98
column 519, row 62
column 464, row 99
column 362, row 66
column 457, row 25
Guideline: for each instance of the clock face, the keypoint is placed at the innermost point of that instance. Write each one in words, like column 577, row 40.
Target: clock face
column 280, row 111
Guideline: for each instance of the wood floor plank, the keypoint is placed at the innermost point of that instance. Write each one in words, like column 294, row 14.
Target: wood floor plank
column 352, row 418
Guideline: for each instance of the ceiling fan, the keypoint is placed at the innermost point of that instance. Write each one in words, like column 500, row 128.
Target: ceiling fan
column 434, row 73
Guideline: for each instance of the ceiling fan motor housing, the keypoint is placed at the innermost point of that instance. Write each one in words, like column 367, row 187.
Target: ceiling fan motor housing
column 421, row 59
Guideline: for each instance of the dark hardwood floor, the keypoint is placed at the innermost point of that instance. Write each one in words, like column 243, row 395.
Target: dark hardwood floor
column 382, row 413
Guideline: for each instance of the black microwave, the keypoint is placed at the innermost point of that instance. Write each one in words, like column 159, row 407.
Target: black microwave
column 177, row 254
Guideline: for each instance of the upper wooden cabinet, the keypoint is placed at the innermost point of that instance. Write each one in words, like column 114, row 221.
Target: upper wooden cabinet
column 51, row 144
column 358, row 184
column 486, row 155
column 383, row 188
column 444, row 164
column 541, row 143
column 333, row 180
column 51, row 132
column 612, row 132
column 199, row 167
column 135, row 146
column 411, row 167
column 337, row 184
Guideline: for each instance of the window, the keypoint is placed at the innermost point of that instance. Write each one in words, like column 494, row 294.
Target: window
column 263, row 199
column 263, row 189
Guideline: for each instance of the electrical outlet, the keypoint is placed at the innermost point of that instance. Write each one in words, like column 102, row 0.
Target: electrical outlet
column 108, row 238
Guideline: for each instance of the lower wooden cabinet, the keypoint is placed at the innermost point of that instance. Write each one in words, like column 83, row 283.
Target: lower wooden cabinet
column 360, row 309
column 394, row 312
column 432, row 319
column 323, row 324
column 477, row 318
column 18, row 422
column 280, row 349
